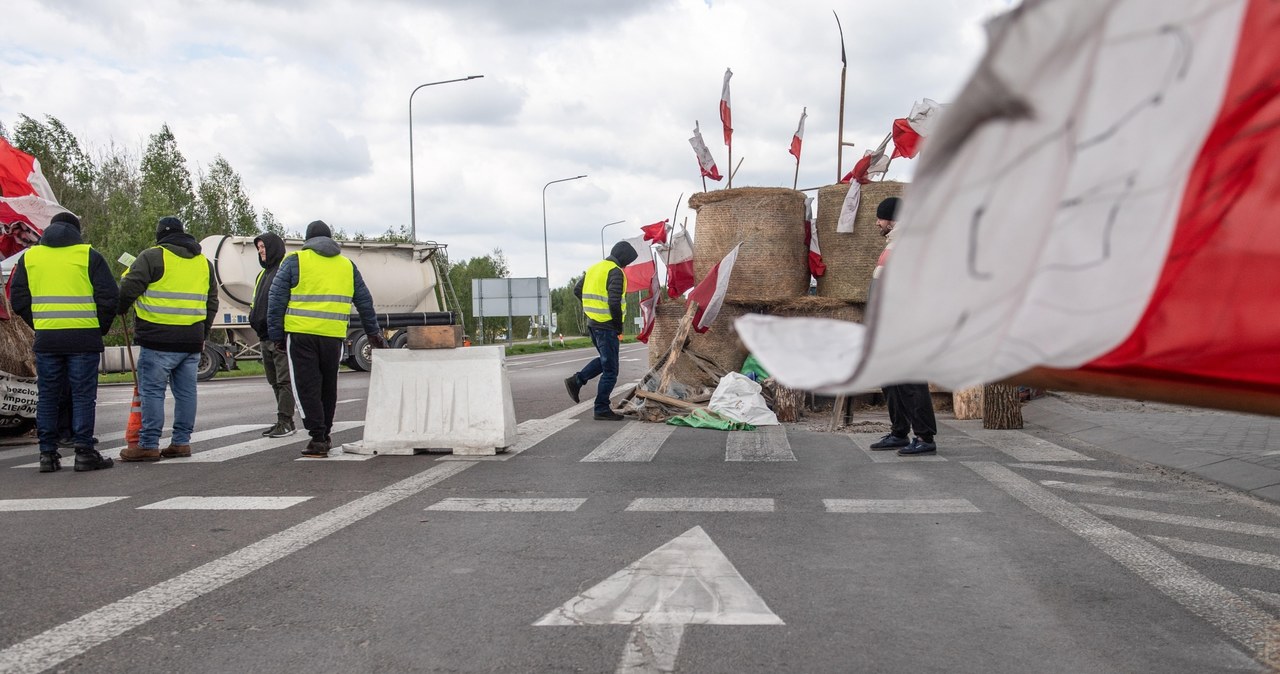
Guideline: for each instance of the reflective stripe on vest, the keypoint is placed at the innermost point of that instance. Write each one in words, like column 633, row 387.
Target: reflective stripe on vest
column 61, row 292
column 595, row 292
column 181, row 295
column 321, row 302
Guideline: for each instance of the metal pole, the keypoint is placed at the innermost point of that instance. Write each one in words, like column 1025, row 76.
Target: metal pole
column 413, row 204
column 546, row 256
column 602, row 253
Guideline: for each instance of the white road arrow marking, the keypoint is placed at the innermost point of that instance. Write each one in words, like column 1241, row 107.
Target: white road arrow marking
column 687, row 580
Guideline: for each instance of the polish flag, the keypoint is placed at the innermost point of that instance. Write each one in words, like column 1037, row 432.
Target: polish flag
column 639, row 273
column 679, row 260
column 798, row 138
column 656, row 233
column 872, row 163
column 726, row 117
column 705, row 161
column 20, row 174
column 649, row 311
column 23, row 220
column 909, row 131
column 1100, row 217
column 816, row 266
column 709, row 294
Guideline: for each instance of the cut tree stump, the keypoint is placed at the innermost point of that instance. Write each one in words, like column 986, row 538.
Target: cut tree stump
column 788, row 403
column 1001, row 408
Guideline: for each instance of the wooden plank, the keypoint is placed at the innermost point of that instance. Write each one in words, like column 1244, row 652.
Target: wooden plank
column 666, row 399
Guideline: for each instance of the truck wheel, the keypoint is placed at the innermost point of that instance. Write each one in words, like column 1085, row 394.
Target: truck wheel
column 210, row 363
column 362, row 353
column 400, row 340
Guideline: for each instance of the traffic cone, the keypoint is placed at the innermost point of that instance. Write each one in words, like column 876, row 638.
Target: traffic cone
column 133, row 429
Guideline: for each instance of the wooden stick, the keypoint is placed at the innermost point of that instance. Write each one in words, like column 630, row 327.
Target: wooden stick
column 844, row 68
column 730, row 183
column 795, row 182
column 735, row 170
column 667, row 400
column 677, row 346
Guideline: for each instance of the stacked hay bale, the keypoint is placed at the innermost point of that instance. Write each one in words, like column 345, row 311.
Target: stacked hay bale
column 851, row 257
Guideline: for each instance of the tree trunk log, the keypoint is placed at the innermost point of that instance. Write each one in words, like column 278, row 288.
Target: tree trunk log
column 966, row 403
column 788, row 404
column 1001, row 408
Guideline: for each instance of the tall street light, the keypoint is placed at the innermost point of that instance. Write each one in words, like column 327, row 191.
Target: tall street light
column 413, row 203
column 546, row 257
column 602, row 235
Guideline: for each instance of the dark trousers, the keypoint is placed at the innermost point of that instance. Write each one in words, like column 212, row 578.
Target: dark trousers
column 275, row 364
column 77, row 372
column 605, row 366
column 911, row 409
column 313, row 368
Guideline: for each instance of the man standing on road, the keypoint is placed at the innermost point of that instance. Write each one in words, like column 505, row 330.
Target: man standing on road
column 275, row 362
column 177, row 299
column 307, row 315
column 910, row 405
column 603, row 293
column 67, row 293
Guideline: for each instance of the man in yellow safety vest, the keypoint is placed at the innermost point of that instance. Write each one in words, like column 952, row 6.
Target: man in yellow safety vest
column 603, row 293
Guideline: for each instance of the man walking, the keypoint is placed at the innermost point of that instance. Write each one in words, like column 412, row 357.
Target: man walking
column 307, row 315
column 910, row 405
column 66, row 292
column 275, row 362
column 177, row 299
column 603, row 293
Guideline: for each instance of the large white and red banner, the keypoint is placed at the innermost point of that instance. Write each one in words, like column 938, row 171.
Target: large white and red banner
column 1100, row 205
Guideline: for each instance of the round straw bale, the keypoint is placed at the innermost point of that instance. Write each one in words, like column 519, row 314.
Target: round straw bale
column 720, row 344
column 850, row 258
column 769, row 223
column 16, row 341
column 814, row 306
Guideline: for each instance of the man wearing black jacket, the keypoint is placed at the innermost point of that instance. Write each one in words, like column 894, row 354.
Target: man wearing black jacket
column 66, row 292
column 275, row 362
column 603, row 291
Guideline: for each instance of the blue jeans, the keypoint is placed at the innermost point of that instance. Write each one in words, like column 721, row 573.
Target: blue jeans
column 156, row 370
column 56, row 374
column 605, row 366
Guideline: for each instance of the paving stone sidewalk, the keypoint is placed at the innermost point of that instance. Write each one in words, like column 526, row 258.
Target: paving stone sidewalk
column 1238, row 450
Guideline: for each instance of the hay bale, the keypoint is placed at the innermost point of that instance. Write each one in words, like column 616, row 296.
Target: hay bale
column 720, row 344
column 810, row 306
column 850, row 258
column 769, row 223
column 16, row 341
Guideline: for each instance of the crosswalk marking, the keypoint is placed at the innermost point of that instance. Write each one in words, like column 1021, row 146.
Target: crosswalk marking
column 530, row 433
column 1017, row 444
column 702, row 505
column 1127, row 493
column 899, row 506
column 863, row 441
column 1090, row 472
column 636, row 441
column 508, row 505
column 336, row 454
column 70, row 503
column 220, row 454
column 767, row 443
column 198, row 436
column 226, row 503
column 1183, row 520
column 1219, row 552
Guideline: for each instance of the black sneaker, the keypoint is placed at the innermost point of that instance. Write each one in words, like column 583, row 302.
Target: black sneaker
column 316, row 449
column 609, row 416
column 918, row 447
column 282, row 429
column 89, row 459
column 890, row 441
column 49, row 462
column 572, row 385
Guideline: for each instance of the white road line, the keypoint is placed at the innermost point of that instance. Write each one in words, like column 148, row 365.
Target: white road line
column 198, row 436
column 899, row 506
column 863, row 441
column 1186, row 521
column 336, row 454
column 767, row 443
column 226, row 503
column 1021, row 446
column 220, row 454
column 1090, row 472
column 701, row 505
column 530, row 432
column 1238, row 619
column 349, row 400
column 588, row 404
column 1219, row 552
column 508, row 505
column 635, row 441
column 71, row 639
column 14, row 505
column 1265, row 597
column 1128, row 493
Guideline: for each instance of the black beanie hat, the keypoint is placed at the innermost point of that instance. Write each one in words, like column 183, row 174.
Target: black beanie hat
column 888, row 209
column 66, row 217
column 168, row 225
column 318, row 228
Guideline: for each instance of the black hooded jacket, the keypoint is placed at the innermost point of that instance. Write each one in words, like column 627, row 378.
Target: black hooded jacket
column 622, row 254
column 105, row 294
column 262, row 292
column 149, row 268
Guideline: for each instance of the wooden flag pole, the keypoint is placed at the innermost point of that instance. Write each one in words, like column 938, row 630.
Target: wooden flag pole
column 844, row 68
column 795, row 182
column 735, row 170
column 729, row 185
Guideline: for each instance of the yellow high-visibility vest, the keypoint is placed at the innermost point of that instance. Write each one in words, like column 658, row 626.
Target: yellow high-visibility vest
column 595, row 292
column 61, row 292
column 321, row 302
column 181, row 295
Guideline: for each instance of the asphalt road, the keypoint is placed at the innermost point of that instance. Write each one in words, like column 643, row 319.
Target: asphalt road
column 605, row 546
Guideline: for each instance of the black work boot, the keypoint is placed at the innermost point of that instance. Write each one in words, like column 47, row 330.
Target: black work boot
column 316, row 449
column 49, row 462
column 88, row 458
column 572, row 385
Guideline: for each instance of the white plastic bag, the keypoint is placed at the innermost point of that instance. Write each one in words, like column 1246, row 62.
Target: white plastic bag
column 738, row 398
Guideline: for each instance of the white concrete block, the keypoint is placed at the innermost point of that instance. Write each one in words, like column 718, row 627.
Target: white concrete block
column 456, row 399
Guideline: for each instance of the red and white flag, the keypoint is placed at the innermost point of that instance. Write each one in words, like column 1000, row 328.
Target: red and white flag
column 872, row 163
column 798, row 138
column 909, row 131
column 726, row 116
column 656, row 233
column 709, row 294
column 20, row 174
column 640, row 272
column 706, row 162
column 678, row 256
column 816, row 266
column 649, row 311
column 23, row 220
column 1091, row 214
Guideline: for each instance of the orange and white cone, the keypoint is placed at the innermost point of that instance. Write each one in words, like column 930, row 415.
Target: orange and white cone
column 133, row 429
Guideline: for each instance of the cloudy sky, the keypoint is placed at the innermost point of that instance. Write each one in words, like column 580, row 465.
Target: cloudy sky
column 309, row 101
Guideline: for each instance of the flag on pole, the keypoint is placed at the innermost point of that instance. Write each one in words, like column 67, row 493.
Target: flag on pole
column 798, row 138
column 909, row 131
column 679, row 260
column 872, row 163
column 656, row 233
column 816, row 266
column 649, row 311
column 1145, row 274
column 705, row 161
column 709, row 294
column 726, row 116
column 20, row 174
column 640, row 272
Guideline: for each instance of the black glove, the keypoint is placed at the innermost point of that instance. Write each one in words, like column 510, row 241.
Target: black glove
column 378, row 341
column 282, row 346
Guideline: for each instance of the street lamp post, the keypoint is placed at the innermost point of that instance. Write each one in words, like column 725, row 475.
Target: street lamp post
column 546, row 256
column 413, row 203
column 602, row 254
